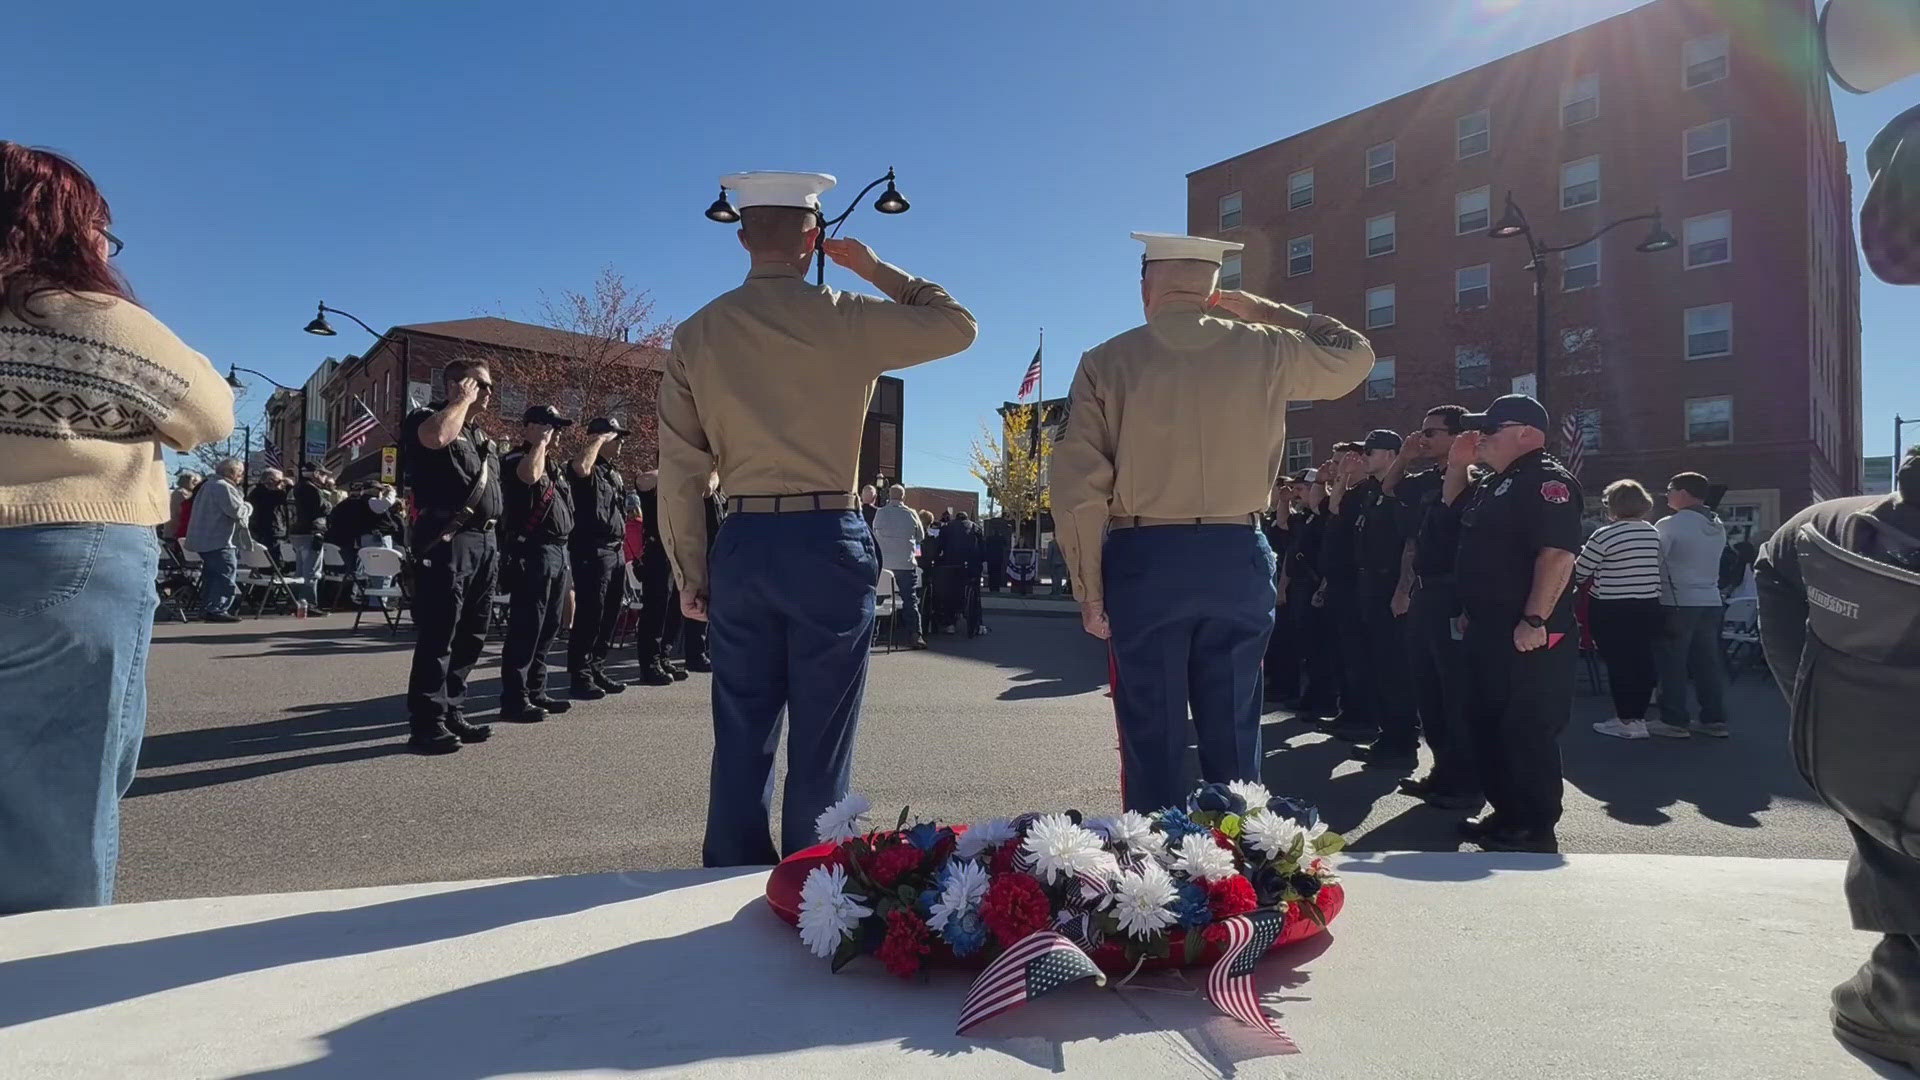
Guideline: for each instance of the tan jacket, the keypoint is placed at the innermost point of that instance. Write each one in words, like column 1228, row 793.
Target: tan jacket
column 770, row 384
column 1186, row 416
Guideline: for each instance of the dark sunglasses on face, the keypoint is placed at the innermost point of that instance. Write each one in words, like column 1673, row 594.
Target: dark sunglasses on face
column 1496, row 429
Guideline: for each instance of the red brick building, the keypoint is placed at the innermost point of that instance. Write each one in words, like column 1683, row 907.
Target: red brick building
column 1736, row 354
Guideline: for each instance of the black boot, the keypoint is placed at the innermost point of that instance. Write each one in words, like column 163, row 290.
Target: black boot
column 656, row 674
column 606, row 683
column 677, row 671
column 1878, row 1010
column 583, row 687
column 551, row 705
column 699, row 663
column 522, row 712
column 465, row 732
column 432, row 737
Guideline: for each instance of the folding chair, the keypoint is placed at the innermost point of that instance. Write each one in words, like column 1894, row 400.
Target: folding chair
column 1740, row 635
column 177, row 582
column 380, row 562
column 333, row 569
column 886, row 606
column 264, row 574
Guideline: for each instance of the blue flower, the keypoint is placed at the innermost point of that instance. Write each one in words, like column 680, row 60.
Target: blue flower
column 967, row 933
column 1294, row 810
column 924, row 835
column 1217, row 799
column 924, row 906
column 1190, row 908
column 1176, row 824
column 1269, row 885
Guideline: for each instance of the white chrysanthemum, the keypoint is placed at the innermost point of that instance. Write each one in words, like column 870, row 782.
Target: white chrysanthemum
column 981, row 836
column 827, row 913
column 1270, row 834
column 1256, row 795
column 1203, row 860
column 842, row 820
column 966, row 887
column 1319, row 829
column 1061, row 849
column 1141, row 901
column 1131, row 830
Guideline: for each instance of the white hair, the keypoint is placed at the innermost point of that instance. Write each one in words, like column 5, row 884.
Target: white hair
column 232, row 464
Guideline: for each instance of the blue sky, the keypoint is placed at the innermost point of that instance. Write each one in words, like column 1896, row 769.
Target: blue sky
column 421, row 161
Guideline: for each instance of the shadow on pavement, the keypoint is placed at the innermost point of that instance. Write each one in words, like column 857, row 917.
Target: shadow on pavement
column 1049, row 658
column 1445, row 866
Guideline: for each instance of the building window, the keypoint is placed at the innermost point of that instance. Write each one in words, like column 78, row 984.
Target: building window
column 1472, row 211
column 1709, row 149
column 1587, row 423
column 1580, row 101
column 1710, row 420
column 1379, row 164
column 1472, row 286
column 1296, row 406
column 1709, row 239
column 1300, row 190
column 1380, row 313
column 1582, row 270
column 1230, row 211
column 1705, row 60
column 1380, row 380
column 1580, row 183
column 1299, row 455
column 1381, row 235
column 1709, row 331
column 1580, row 346
column 1230, row 270
column 1472, row 135
column 1299, row 256
column 1472, row 368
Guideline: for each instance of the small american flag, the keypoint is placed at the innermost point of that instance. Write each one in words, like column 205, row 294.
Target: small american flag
column 357, row 431
column 1573, row 433
column 1041, row 962
column 1032, row 378
column 270, row 454
column 1230, row 983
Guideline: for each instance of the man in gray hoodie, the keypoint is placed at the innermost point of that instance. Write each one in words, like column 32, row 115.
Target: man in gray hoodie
column 1691, row 540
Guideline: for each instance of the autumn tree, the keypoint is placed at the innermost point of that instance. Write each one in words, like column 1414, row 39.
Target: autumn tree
column 1012, row 468
column 1575, row 358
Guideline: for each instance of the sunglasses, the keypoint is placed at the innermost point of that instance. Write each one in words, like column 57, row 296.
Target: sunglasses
column 1498, row 428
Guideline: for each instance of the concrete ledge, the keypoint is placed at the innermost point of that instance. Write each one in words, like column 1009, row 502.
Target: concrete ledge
column 1444, row 965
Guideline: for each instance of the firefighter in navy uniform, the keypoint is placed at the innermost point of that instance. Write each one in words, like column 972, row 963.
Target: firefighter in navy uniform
column 1312, row 626
column 1338, row 593
column 454, row 472
column 1840, row 622
column 1519, row 532
column 599, row 579
column 1380, row 547
column 537, row 522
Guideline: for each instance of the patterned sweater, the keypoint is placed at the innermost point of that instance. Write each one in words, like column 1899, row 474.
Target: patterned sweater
column 90, row 389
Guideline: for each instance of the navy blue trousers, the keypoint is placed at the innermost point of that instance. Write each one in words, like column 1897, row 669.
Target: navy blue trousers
column 790, row 608
column 1191, row 608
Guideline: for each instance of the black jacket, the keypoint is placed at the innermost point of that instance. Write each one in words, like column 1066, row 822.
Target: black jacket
column 309, row 509
column 271, row 514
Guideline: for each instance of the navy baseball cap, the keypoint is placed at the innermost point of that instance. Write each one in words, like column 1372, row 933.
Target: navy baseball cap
column 1383, row 439
column 545, row 414
column 1512, row 409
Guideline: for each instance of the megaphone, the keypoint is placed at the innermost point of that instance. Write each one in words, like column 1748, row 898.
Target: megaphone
column 1870, row 44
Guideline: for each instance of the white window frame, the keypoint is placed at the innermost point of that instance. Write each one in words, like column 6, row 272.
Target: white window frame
column 1232, row 272
column 1687, row 242
column 1484, row 270
column 1237, row 210
column 1392, row 164
column 1686, row 419
column 1461, row 135
column 1483, row 366
column 1568, row 266
column 1392, row 380
column 1291, row 272
column 1565, row 167
column 1687, row 151
column 1391, row 307
column 1687, row 332
column 1392, row 234
column 1304, row 454
column 1486, row 196
column 1293, row 192
column 1690, row 49
column 1584, row 89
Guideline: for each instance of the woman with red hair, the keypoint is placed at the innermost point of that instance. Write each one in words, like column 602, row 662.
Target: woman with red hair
column 91, row 388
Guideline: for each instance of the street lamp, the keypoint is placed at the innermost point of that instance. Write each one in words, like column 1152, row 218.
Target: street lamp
column 320, row 328
column 1514, row 223
column 233, row 380
column 889, row 202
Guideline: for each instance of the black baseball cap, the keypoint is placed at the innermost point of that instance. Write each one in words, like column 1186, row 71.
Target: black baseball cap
column 1512, row 409
column 600, row 425
column 545, row 414
column 1383, row 439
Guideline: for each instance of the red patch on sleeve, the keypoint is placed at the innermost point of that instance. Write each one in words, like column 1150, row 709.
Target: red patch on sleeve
column 1555, row 492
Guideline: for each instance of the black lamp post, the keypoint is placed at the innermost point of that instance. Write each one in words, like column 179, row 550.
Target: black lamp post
column 320, row 328
column 233, row 380
column 1514, row 223
column 889, row 202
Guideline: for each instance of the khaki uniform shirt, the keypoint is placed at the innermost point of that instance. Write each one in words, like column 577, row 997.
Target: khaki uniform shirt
column 770, row 384
column 1186, row 417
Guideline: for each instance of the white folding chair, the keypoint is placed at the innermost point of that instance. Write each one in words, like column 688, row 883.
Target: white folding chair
column 1740, row 634
column 333, row 568
column 380, row 562
column 265, row 575
column 886, row 606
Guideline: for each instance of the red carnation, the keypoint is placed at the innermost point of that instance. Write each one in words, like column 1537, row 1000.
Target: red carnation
column 1223, row 840
column 905, row 944
column 1015, row 906
column 1226, row 898
column 891, row 864
column 1003, row 858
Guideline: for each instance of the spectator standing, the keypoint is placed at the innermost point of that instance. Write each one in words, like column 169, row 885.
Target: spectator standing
column 869, row 504
column 308, row 523
column 216, row 534
column 178, row 501
column 1691, row 539
column 897, row 532
column 81, row 489
column 1620, row 564
column 271, row 515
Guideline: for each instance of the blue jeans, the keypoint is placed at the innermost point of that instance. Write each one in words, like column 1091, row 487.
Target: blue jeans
column 906, row 585
column 219, row 580
column 76, row 617
column 307, row 563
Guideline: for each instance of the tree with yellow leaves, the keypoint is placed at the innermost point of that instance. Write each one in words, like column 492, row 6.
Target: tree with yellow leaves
column 1015, row 474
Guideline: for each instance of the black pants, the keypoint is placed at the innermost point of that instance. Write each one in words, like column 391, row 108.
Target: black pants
column 1439, row 666
column 1517, row 704
column 540, row 583
column 599, row 587
column 1357, row 705
column 1388, row 676
column 659, row 605
column 1314, row 628
column 1626, row 632
column 1284, row 657
column 452, row 600
column 693, row 641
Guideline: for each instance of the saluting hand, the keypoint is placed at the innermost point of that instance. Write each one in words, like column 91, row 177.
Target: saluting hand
column 465, row 391
column 693, row 606
column 1466, row 449
column 1093, row 617
column 853, row 255
column 1237, row 303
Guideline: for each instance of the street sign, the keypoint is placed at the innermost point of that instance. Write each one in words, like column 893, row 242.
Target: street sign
column 389, row 464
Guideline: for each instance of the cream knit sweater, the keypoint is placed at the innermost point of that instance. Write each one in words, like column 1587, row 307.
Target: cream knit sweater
column 90, row 389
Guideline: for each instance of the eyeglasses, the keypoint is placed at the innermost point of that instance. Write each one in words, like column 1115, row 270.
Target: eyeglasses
column 1498, row 428
column 114, row 244
column 1436, row 432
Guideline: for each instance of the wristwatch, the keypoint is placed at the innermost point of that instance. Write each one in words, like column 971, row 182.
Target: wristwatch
column 1534, row 621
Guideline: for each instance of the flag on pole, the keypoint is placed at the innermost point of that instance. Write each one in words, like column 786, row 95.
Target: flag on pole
column 1031, row 379
column 270, row 454
column 1573, row 433
column 1230, row 983
column 1039, row 963
column 360, row 427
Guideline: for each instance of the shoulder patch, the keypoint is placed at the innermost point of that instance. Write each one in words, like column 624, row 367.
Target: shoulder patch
column 1332, row 335
column 1504, row 485
column 1555, row 492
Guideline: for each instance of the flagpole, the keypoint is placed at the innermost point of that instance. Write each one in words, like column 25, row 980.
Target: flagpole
column 1039, row 418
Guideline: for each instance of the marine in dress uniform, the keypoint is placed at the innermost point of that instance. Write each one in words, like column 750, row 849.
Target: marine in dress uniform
column 536, row 526
column 1380, row 542
column 770, row 384
column 599, row 579
column 454, row 470
column 1519, row 533
column 1175, row 432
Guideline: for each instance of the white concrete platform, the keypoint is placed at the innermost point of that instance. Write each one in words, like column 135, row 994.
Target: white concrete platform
column 1444, row 966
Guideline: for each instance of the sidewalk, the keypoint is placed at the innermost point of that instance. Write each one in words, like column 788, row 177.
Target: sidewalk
column 1042, row 602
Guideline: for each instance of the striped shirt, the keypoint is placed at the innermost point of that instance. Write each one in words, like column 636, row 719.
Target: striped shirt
column 1623, row 562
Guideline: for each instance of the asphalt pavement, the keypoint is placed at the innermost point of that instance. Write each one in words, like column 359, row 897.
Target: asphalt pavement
column 274, row 761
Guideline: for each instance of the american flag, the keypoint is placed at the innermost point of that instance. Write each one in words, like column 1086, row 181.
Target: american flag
column 1230, row 983
column 1573, row 433
column 1041, row 962
column 1032, row 378
column 270, row 454
column 361, row 426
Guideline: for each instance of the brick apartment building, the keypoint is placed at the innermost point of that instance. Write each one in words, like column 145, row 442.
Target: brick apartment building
column 1736, row 354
